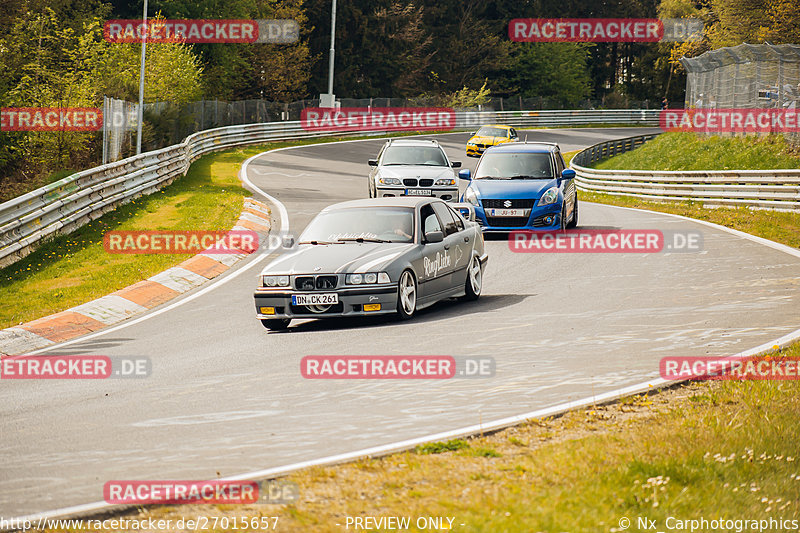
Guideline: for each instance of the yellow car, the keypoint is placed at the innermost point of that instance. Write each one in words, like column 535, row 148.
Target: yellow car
column 490, row 135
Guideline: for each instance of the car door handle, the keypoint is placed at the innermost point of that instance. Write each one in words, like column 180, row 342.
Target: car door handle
column 446, row 246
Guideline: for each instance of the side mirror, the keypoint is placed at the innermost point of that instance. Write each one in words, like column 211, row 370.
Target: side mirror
column 373, row 162
column 455, row 164
column 474, row 133
column 434, row 236
column 465, row 174
column 288, row 241
column 567, row 174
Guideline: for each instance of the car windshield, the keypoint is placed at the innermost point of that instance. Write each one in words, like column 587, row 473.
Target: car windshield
column 487, row 131
column 363, row 224
column 507, row 166
column 414, row 155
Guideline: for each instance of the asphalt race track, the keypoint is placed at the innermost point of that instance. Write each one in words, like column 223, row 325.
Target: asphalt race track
column 226, row 396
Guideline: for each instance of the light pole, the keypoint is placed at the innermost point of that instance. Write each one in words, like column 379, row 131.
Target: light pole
column 329, row 100
column 141, row 83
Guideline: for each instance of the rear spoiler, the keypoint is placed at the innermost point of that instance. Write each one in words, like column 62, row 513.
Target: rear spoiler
column 467, row 210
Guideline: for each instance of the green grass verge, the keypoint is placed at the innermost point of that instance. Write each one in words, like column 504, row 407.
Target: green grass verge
column 73, row 269
column 701, row 450
column 757, row 152
column 687, row 151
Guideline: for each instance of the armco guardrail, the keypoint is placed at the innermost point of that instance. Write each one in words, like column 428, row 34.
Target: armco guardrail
column 73, row 201
column 768, row 189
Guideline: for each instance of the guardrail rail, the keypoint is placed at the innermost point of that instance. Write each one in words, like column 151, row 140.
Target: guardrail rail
column 71, row 202
column 765, row 189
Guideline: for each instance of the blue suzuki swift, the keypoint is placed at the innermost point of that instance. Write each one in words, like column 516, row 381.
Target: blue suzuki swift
column 522, row 186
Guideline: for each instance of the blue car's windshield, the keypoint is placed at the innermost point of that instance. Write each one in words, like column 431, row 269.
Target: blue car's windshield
column 508, row 166
column 362, row 224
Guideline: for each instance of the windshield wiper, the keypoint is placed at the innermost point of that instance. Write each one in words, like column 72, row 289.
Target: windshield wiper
column 491, row 178
column 362, row 239
column 530, row 177
column 318, row 242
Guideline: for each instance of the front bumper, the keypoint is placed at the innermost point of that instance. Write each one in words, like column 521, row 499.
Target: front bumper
column 448, row 194
column 351, row 302
column 535, row 221
column 474, row 151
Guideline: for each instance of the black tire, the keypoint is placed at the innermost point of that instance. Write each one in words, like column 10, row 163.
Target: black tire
column 474, row 284
column 276, row 324
column 563, row 218
column 406, row 308
column 574, row 222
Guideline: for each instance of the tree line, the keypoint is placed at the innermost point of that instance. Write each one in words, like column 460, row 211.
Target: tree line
column 52, row 53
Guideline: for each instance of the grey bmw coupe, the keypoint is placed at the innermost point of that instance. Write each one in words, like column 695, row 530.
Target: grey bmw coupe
column 371, row 257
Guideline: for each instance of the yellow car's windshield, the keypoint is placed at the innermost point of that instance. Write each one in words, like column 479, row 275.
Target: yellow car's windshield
column 487, row 131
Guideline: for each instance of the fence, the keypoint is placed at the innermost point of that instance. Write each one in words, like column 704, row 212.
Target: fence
column 745, row 76
column 769, row 189
column 167, row 124
column 73, row 201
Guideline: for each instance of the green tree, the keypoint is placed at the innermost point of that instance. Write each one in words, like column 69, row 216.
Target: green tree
column 554, row 70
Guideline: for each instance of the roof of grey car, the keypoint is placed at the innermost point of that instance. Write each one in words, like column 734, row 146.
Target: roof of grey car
column 394, row 201
column 414, row 142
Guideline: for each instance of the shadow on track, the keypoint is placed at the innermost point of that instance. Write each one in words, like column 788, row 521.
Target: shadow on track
column 437, row 312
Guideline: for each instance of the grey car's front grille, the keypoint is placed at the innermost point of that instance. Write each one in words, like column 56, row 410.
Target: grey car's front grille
column 425, row 182
column 326, row 282
column 410, row 182
column 304, row 283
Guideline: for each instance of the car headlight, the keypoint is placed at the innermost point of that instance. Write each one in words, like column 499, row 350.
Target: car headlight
column 275, row 281
column 389, row 181
column 367, row 279
column 549, row 197
column 471, row 197
column 446, row 182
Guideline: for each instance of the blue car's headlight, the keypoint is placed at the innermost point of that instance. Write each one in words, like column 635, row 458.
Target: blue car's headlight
column 471, row 197
column 549, row 197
